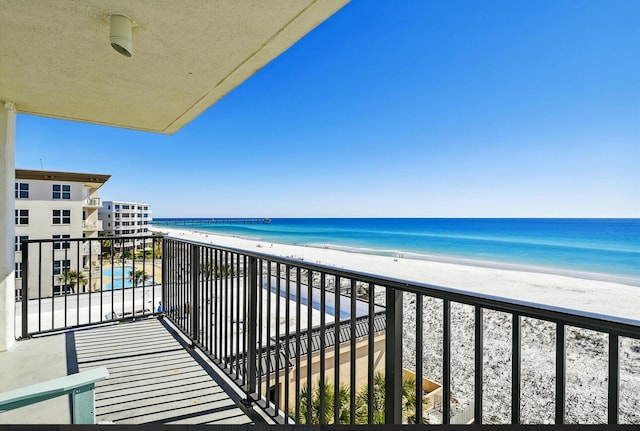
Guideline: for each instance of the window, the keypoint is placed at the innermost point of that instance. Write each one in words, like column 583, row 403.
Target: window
column 22, row 217
column 57, row 245
column 22, row 191
column 18, row 294
column 62, row 290
column 18, row 269
column 19, row 240
column 61, row 216
column 60, row 267
column 61, row 191
column 117, row 207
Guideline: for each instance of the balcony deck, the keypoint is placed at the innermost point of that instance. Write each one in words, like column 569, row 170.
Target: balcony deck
column 154, row 377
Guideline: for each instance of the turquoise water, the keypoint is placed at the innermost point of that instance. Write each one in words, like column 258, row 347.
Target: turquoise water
column 118, row 280
column 601, row 246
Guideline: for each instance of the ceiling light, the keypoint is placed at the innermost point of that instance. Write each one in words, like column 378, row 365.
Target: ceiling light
column 120, row 36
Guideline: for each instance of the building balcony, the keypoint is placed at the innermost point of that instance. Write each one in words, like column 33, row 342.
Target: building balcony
column 91, row 225
column 225, row 336
column 91, row 248
column 92, row 202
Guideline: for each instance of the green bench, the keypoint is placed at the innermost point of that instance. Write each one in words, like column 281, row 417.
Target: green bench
column 81, row 387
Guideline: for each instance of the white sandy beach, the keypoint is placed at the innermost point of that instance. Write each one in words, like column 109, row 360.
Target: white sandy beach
column 586, row 399
column 590, row 295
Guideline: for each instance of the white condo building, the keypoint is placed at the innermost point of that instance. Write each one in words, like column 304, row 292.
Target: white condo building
column 126, row 219
column 56, row 205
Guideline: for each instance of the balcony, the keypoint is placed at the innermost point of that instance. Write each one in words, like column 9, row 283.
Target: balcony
column 91, row 248
column 91, row 225
column 276, row 335
column 92, row 202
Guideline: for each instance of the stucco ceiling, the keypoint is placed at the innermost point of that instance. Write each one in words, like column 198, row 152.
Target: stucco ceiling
column 56, row 59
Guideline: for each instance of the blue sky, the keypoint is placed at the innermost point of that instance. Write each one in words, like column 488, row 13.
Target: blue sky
column 398, row 109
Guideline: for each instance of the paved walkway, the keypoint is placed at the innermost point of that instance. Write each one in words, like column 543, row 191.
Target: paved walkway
column 153, row 378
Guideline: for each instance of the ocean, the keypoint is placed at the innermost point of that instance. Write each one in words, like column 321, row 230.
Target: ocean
column 602, row 247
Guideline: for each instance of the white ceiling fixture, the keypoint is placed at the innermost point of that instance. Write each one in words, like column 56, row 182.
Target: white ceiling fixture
column 120, row 35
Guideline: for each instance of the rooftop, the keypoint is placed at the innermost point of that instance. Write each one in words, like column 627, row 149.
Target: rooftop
column 29, row 174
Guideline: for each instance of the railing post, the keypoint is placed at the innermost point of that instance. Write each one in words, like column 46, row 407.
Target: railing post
column 478, row 360
column 25, row 290
column 446, row 361
column 251, row 357
column 195, row 275
column 165, row 274
column 614, row 380
column 393, row 358
column 560, row 373
column 516, row 359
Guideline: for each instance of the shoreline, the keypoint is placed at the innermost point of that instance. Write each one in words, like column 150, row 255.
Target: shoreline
column 593, row 276
column 456, row 260
column 534, row 285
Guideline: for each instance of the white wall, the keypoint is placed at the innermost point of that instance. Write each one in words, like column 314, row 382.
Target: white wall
column 7, row 231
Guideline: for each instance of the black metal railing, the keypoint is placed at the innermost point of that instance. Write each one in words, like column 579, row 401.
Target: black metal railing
column 314, row 344
column 64, row 283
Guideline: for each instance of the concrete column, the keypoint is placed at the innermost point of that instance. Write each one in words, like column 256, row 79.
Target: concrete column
column 7, row 224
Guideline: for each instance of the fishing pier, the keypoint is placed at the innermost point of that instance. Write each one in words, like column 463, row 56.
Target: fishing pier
column 201, row 221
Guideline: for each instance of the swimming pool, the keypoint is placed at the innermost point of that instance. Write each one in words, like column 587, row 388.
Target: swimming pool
column 117, row 272
column 119, row 278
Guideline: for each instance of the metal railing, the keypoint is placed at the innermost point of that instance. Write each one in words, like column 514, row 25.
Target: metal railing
column 92, row 202
column 91, row 225
column 72, row 282
column 306, row 343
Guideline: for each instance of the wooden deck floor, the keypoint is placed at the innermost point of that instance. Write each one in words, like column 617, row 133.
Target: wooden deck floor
column 153, row 378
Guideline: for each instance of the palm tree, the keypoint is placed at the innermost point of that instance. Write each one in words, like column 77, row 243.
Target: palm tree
column 157, row 246
column 329, row 391
column 220, row 271
column 138, row 277
column 72, row 278
column 146, row 254
column 408, row 401
column 107, row 245
column 362, row 401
